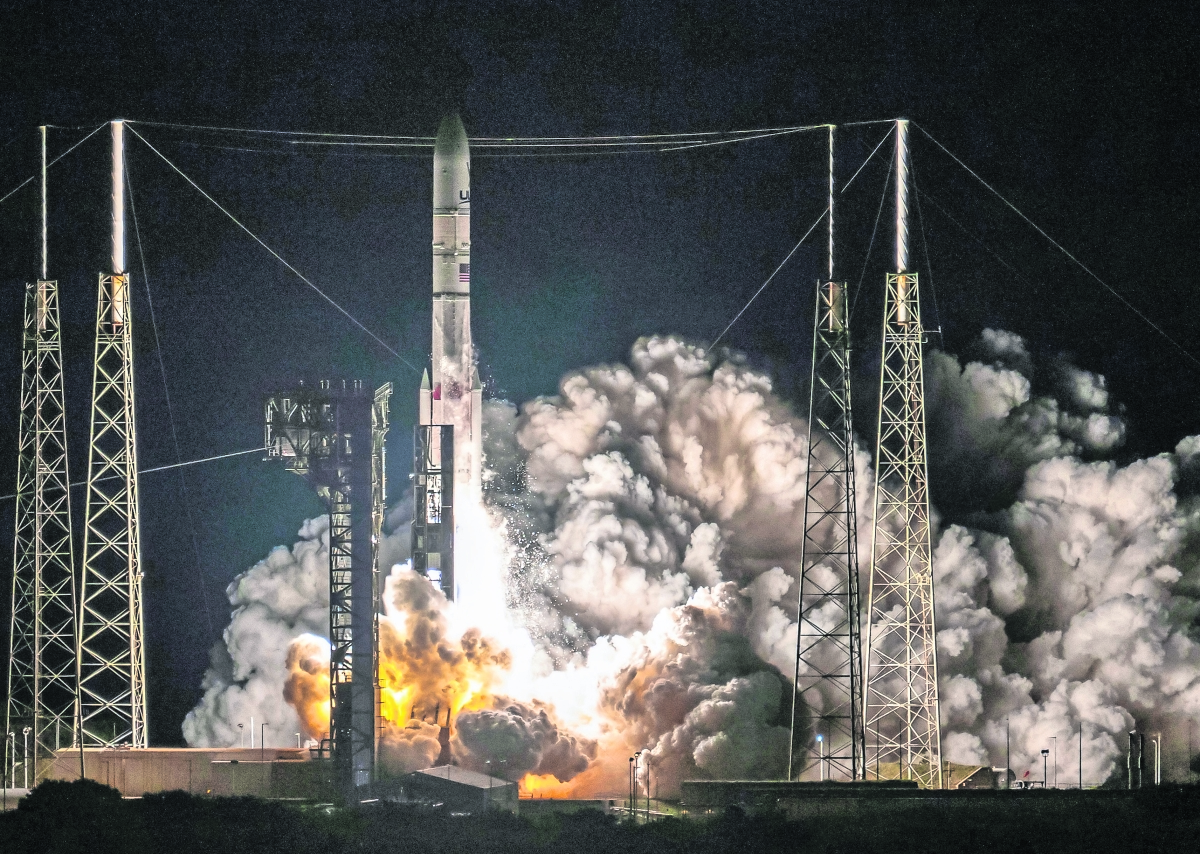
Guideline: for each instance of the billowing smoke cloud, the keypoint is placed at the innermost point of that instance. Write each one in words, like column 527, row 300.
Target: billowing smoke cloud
column 281, row 598
column 517, row 739
column 649, row 520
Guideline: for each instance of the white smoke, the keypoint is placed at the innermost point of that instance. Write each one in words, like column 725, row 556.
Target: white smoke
column 282, row 597
column 651, row 518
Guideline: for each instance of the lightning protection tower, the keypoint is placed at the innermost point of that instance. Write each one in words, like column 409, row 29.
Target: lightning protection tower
column 901, row 701
column 42, row 676
column 828, row 650
column 334, row 438
column 112, row 660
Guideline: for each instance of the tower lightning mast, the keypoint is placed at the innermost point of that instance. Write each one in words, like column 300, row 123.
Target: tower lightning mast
column 42, row 676
column 901, row 698
column 828, row 651
column 112, row 659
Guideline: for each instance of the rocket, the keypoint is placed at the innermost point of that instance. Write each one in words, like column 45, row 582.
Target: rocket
column 448, row 444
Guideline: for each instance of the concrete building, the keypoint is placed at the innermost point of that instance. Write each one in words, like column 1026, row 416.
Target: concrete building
column 459, row 790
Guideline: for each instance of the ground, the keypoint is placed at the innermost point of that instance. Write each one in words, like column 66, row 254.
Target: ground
column 70, row 817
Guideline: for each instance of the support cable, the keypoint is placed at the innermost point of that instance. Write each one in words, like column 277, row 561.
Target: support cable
column 763, row 286
column 275, row 254
column 167, row 467
column 162, row 370
column 925, row 243
column 28, row 180
column 886, row 137
column 933, row 201
column 1060, row 247
column 887, row 181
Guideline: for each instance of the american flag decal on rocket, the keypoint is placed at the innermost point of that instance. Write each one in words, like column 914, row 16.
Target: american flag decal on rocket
column 464, row 273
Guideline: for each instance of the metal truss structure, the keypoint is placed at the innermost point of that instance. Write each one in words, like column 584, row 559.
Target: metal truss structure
column 828, row 648
column 901, row 698
column 334, row 439
column 42, row 676
column 112, row 659
column 379, row 429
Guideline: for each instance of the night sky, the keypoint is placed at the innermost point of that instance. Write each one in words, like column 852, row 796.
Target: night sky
column 1081, row 116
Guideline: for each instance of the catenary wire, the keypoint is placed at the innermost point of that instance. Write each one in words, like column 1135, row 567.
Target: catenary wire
column 276, row 255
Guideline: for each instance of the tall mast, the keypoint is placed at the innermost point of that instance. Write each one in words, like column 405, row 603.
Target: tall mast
column 112, row 656
column 43, row 680
column 901, row 698
column 827, row 718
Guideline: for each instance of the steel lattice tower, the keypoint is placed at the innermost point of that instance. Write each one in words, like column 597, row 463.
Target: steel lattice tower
column 42, row 676
column 334, row 438
column 901, row 704
column 112, row 657
column 828, row 650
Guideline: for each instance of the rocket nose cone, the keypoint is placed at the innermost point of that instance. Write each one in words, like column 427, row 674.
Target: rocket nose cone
column 451, row 137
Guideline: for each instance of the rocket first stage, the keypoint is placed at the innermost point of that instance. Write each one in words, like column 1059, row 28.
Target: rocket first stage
column 448, row 444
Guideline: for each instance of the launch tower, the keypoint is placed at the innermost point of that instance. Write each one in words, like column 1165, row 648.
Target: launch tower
column 112, row 659
column 42, row 674
column 334, row 438
column 448, row 450
column 901, row 700
column 828, row 647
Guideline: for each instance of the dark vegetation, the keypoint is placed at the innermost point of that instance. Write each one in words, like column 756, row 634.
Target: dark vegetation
column 89, row 817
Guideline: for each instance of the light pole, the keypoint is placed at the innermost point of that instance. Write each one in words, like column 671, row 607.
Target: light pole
column 1157, row 758
column 1081, row 756
column 821, row 754
column 1045, row 760
column 647, row 786
column 262, row 756
column 25, row 764
column 297, row 739
column 631, row 759
column 241, row 736
column 1007, row 753
column 1054, row 742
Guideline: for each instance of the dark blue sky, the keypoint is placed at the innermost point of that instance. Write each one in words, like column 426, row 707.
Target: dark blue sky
column 1080, row 114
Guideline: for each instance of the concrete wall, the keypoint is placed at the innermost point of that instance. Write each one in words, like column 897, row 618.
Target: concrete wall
column 270, row 773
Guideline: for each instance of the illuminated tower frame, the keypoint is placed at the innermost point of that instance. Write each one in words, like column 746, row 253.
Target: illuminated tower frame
column 828, row 674
column 334, row 438
column 112, row 657
column 43, row 689
column 901, row 699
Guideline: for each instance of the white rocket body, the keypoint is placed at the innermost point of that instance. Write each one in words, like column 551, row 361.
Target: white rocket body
column 452, row 394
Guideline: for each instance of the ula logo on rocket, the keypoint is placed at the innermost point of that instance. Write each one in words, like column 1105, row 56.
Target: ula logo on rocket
column 464, row 195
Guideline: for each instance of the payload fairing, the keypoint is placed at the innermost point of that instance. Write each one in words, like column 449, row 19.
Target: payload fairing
column 448, row 443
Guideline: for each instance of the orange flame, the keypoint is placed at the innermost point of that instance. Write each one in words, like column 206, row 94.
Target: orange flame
column 423, row 676
column 307, row 687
